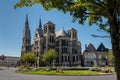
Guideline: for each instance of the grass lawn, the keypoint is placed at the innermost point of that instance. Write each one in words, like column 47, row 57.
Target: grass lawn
column 65, row 72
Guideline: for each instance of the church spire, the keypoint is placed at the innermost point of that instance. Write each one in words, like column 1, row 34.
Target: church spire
column 40, row 24
column 26, row 33
column 26, row 40
column 26, row 22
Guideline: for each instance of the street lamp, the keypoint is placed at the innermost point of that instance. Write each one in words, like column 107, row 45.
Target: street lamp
column 2, row 57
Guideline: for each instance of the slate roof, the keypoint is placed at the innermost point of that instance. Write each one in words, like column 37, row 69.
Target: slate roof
column 101, row 47
column 61, row 33
column 72, row 29
column 40, row 32
column 39, row 29
column 49, row 22
column 90, row 48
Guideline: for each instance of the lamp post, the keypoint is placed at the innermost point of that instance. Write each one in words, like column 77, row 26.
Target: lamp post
column 2, row 57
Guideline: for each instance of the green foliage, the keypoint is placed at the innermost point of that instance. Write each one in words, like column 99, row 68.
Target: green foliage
column 20, row 68
column 95, row 65
column 24, row 68
column 59, row 69
column 110, row 57
column 103, row 69
column 29, row 58
column 49, row 56
column 94, row 10
column 36, row 69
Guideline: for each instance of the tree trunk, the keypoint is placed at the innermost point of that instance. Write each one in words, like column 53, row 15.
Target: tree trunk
column 115, row 39
column 116, row 54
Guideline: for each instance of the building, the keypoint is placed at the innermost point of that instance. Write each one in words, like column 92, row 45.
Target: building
column 94, row 56
column 9, row 61
column 64, row 42
column 90, row 55
column 102, row 52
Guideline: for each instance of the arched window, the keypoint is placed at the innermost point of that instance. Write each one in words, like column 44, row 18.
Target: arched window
column 65, row 58
column 73, row 58
column 62, row 58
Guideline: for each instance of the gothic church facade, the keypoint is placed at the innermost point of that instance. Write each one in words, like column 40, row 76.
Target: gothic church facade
column 64, row 42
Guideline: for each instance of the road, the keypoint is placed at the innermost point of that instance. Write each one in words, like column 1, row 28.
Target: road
column 9, row 74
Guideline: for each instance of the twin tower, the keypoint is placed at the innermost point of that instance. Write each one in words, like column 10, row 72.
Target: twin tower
column 65, row 43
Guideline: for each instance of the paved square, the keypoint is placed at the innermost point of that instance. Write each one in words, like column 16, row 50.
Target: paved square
column 9, row 74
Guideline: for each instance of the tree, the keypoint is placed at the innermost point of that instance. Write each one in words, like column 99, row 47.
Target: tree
column 110, row 57
column 95, row 11
column 49, row 56
column 29, row 58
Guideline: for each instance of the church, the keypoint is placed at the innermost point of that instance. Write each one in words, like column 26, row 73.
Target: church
column 64, row 42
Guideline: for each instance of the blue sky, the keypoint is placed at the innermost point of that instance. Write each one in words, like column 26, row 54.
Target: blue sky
column 12, row 24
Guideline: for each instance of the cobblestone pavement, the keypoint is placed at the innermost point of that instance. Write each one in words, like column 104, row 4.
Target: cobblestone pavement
column 9, row 74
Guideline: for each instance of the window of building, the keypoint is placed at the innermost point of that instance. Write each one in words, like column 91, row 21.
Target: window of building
column 74, row 35
column 69, row 34
column 27, row 41
column 64, row 50
column 64, row 43
column 51, row 29
column 36, row 43
column 68, row 58
column 57, row 43
column 73, row 58
column 65, row 58
column 57, row 49
column 51, row 39
column 62, row 58
column 45, row 29
column 76, row 58
column 28, row 48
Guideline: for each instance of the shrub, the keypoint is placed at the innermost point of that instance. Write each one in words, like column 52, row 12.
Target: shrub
column 78, row 65
column 103, row 69
column 24, row 68
column 108, row 70
column 58, row 69
column 36, row 69
column 20, row 68
column 48, row 69
column 95, row 65
column 97, row 69
column 42, row 69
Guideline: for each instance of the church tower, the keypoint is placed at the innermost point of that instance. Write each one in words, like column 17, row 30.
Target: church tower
column 49, row 35
column 38, row 43
column 75, row 46
column 26, row 39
